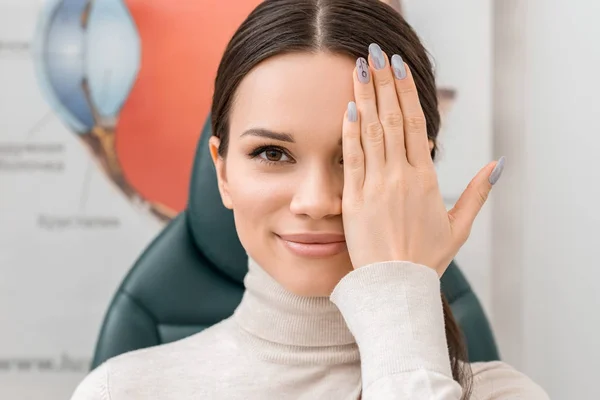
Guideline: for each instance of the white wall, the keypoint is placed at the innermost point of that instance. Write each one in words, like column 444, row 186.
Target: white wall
column 546, row 228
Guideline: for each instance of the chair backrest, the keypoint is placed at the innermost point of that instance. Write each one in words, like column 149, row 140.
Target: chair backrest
column 191, row 277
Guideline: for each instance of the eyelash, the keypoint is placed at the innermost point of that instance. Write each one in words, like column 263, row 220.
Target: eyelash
column 261, row 149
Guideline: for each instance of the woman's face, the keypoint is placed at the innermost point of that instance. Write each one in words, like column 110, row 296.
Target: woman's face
column 283, row 172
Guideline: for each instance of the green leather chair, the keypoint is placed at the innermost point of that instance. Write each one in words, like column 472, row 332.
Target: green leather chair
column 191, row 277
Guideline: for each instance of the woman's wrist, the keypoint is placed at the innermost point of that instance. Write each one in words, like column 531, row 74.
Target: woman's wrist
column 394, row 311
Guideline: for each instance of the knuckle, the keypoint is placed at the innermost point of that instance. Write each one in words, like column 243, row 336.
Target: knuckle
column 377, row 187
column 374, row 131
column 351, row 134
column 392, row 120
column 406, row 89
column 482, row 197
column 353, row 160
column 351, row 203
column 400, row 184
column 365, row 95
column 415, row 122
column 403, row 187
column 385, row 80
column 427, row 180
column 374, row 187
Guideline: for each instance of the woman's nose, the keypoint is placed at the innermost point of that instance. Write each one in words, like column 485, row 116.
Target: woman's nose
column 318, row 195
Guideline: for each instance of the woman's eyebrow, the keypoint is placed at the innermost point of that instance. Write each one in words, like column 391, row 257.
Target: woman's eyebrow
column 260, row 132
column 265, row 133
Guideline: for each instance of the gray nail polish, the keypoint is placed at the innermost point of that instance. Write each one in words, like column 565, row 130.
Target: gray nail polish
column 362, row 68
column 352, row 112
column 497, row 172
column 377, row 55
column 398, row 67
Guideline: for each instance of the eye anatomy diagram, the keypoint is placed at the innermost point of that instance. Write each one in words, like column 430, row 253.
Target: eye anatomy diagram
column 133, row 80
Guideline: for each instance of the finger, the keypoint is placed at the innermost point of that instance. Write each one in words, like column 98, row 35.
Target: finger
column 371, row 130
column 354, row 162
column 415, row 127
column 388, row 107
column 473, row 198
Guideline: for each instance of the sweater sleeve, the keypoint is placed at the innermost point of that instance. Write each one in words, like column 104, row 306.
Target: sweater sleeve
column 94, row 386
column 497, row 381
column 394, row 310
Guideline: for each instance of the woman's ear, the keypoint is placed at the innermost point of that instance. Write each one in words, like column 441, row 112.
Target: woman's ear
column 431, row 145
column 219, row 162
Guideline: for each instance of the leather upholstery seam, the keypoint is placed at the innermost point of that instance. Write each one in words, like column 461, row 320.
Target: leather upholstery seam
column 139, row 305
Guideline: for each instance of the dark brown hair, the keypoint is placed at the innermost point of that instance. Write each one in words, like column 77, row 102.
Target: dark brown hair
column 343, row 27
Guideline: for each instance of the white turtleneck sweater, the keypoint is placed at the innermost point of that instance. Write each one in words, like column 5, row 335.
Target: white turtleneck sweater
column 380, row 336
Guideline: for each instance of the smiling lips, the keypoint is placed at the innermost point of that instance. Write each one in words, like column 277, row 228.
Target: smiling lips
column 314, row 245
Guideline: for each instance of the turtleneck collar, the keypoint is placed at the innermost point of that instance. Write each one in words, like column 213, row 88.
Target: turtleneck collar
column 272, row 313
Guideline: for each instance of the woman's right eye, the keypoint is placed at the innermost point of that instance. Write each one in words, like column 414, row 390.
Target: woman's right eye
column 271, row 155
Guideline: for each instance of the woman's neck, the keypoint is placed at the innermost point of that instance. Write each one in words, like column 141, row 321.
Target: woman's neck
column 270, row 312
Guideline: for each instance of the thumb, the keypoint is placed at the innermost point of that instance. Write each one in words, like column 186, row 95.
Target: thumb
column 469, row 204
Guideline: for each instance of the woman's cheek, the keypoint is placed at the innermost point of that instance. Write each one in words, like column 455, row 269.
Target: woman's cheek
column 257, row 193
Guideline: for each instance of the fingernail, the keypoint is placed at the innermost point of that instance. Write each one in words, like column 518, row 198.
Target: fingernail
column 497, row 172
column 352, row 112
column 398, row 67
column 377, row 55
column 362, row 67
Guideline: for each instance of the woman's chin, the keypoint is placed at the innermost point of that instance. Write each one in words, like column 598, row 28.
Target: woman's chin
column 316, row 279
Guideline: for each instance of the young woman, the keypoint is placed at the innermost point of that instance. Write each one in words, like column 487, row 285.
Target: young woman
column 325, row 121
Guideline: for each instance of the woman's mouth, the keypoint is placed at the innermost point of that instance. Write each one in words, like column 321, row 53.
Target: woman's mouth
column 314, row 245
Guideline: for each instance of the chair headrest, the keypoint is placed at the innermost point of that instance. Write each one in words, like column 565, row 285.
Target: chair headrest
column 211, row 224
